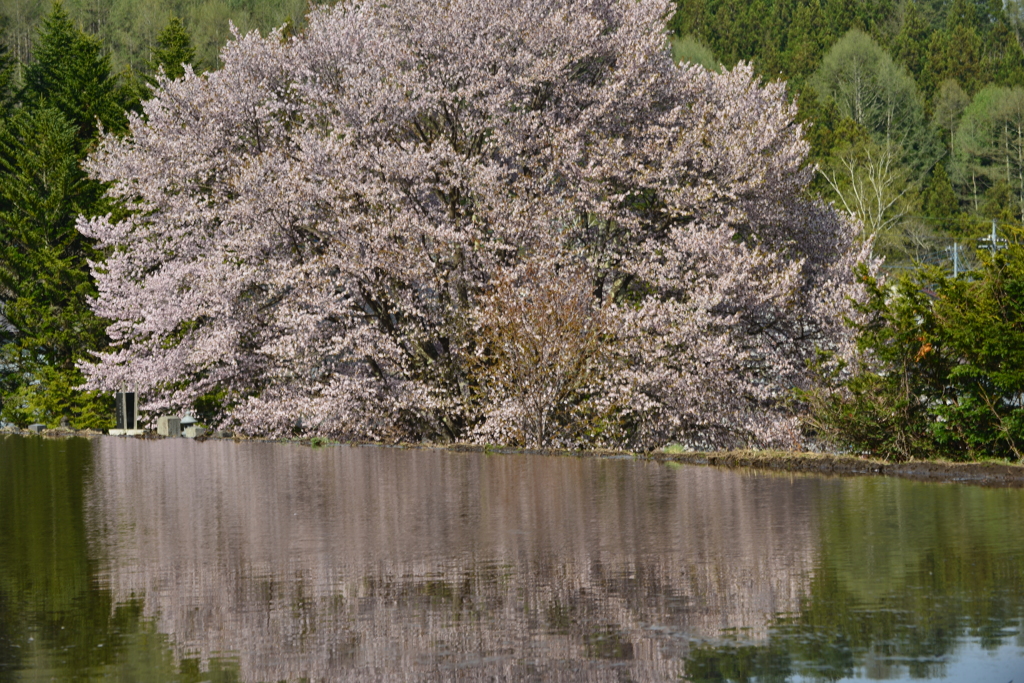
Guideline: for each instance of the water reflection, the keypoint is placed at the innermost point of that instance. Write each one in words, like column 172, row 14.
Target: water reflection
column 911, row 580
column 178, row 561
column 382, row 563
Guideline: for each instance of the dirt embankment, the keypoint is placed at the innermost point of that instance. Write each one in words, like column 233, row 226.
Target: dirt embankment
column 981, row 473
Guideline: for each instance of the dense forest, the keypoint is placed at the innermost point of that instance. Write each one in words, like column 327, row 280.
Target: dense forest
column 129, row 29
column 916, row 108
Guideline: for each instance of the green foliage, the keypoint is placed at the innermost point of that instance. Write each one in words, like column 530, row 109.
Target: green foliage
column 824, row 126
column 7, row 66
column 947, row 107
column 51, row 394
column 70, row 73
column 689, row 49
column 868, row 87
column 941, row 369
column 44, row 271
column 173, row 50
column 982, row 325
column 988, row 146
column 806, row 41
column 910, row 45
column 45, row 284
column 880, row 407
column 954, row 54
column 905, row 70
column 939, row 200
column 130, row 28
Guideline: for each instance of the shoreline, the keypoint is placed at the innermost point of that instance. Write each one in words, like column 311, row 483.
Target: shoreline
column 986, row 473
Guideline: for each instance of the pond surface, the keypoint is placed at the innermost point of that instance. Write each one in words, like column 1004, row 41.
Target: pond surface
column 180, row 561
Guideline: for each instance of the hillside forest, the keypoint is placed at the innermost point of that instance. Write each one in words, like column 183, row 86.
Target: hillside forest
column 914, row 112
column 914, row 106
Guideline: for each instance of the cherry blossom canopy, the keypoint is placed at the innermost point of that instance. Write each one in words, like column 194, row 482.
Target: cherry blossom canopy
column 511, row 221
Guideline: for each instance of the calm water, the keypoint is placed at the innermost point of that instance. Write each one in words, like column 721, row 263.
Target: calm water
column 176, row 561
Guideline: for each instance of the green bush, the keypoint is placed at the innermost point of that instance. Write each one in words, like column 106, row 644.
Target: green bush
column 940, row 369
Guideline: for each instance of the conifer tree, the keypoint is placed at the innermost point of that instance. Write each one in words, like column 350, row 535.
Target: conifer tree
column 69, row 93
column 71, row 73
column 44, row 278
column 939, row 200
column 173, row 50
column 7, row 64
column 956, row 52
column 806, row 42
column 910, row 45
column 1006, row 63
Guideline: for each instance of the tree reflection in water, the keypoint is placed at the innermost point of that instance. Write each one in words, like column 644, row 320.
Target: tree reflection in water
column 356, row 563
column 906, row 573
column 181, row 561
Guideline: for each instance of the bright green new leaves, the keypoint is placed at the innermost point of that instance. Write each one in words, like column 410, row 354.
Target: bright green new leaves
column 988, row 147
column 941, row 368
column 868, row 87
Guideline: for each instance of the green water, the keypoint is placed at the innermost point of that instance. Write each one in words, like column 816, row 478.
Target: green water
column 177, row 561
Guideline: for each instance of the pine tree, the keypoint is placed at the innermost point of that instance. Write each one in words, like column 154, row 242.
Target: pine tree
column 71, row 73
column 689, row 18
column 7, row 64
column 910, row 46
column 939, row 200
column 45, row 286
column 806, row 41
column 1005, row 61
column 44, row 277
column 173, row 50
column 956, row 52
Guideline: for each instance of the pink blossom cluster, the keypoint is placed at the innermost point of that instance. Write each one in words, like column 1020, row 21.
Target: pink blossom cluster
column 514, row 222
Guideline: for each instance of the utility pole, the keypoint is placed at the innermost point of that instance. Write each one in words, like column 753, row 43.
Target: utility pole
column 955, row 251
column 993, row 242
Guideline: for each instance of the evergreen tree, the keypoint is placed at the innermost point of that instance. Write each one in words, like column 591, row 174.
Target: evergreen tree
column 1005, row 63
column 173, row 50
column 840, row 16
column 956, row 52
column 939, row 201
column 44, row 280
column 822, row 123
column 7, row 65
column 910, row 46
column 48, row 327
column 937, row 377
column 806, row 41
column 690, row 18
column 71, row 73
